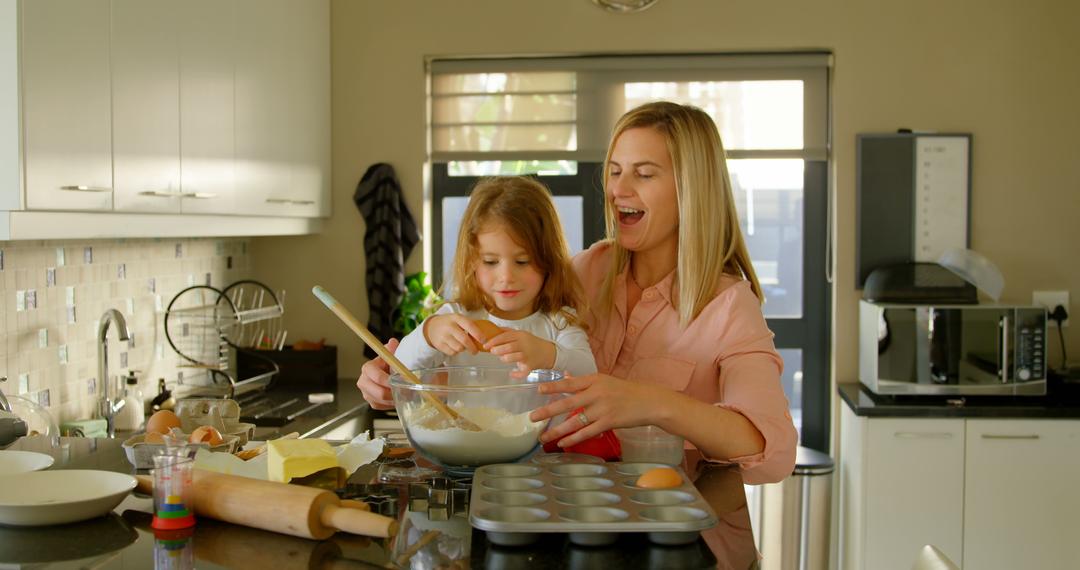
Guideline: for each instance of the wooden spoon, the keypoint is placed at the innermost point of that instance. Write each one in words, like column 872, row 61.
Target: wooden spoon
column 380, row 349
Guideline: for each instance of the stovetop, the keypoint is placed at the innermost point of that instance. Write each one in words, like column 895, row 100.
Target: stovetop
column 276, row 408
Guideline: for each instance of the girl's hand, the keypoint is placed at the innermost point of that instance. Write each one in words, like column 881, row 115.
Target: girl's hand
column 528, row 351
column 374, row 381
column 608, row 403
column 451, row 334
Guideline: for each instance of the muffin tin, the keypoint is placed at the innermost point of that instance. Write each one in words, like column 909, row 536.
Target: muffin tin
column 515, row 503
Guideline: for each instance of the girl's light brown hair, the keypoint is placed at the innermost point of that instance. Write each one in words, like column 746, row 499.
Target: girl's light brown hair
column 524, row 209
column 710, row 240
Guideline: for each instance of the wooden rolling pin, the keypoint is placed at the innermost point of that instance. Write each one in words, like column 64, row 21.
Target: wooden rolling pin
column 289, row 509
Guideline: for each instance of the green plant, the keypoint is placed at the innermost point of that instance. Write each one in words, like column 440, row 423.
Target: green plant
column 418, row 302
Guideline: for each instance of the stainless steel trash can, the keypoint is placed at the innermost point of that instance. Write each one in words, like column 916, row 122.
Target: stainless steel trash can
column 806, row 507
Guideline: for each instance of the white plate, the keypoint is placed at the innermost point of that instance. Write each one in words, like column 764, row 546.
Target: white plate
column 12, row 462
column 55, row 497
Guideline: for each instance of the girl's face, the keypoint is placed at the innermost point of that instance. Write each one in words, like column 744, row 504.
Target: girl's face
column 641, row 186
column 506, row 274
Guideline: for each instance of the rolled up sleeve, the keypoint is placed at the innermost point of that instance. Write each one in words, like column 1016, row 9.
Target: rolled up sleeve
column 749, row 376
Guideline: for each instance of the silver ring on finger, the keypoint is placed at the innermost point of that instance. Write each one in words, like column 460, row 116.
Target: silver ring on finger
column 583, row 419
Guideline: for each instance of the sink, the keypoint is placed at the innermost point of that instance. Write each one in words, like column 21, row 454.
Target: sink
column 344, row 426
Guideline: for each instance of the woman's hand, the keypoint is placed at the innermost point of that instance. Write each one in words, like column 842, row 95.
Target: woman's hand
column 607, row 403
column 374, row 381
column 528, row 351
column 451, row 334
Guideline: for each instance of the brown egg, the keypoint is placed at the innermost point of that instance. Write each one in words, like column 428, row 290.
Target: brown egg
column 659, row 478
column 487, row 328
column 206, row 434
column 162, row 422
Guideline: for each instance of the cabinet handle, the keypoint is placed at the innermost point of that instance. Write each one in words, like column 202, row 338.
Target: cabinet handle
column 81, row 188
column 161, row 193
column 198, row 195
column 1002, row 436
column 288, row 201
column 923, row 435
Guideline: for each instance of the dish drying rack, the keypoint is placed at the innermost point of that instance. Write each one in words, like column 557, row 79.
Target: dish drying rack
column 205, row 325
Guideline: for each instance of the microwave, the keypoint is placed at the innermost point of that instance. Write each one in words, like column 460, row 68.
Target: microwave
column 952, row 349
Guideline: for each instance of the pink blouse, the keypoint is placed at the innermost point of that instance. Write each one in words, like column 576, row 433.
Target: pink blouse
column 725, row 356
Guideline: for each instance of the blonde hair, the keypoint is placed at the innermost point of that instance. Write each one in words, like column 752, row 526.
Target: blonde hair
column 710, row 240
column 524, row 209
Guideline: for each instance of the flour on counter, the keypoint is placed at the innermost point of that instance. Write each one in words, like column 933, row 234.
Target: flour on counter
column 502, row 437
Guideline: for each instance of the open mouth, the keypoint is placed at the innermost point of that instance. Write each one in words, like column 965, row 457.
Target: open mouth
column 630, row 216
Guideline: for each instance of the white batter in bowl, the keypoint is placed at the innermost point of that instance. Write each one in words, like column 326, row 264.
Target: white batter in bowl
column 491, row 398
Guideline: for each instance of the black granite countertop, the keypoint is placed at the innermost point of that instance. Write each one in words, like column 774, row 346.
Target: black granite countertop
column 864, row 403
column 347, row 398
column 124, row 537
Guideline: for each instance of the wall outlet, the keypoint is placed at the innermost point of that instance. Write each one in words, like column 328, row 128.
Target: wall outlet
column 1051, row 299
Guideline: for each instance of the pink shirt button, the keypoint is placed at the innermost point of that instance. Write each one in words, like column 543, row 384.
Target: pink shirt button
column 632, row 330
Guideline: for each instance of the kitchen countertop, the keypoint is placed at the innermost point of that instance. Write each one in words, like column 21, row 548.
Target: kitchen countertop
column 124, row 538
column 864, row 403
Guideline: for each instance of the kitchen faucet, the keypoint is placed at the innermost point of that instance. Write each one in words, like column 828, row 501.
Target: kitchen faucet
column 4, row 405
column 112, row 400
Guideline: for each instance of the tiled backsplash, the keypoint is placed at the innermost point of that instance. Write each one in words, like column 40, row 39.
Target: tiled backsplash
column 54, row 292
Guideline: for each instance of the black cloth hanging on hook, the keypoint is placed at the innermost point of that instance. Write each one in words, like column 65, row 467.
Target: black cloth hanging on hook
column 389, row 239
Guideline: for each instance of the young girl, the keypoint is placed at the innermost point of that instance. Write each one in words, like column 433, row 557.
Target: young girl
column 512, row 268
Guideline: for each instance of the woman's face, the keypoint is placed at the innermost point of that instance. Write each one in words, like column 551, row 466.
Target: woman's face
column 641, row 187
column 506, row 274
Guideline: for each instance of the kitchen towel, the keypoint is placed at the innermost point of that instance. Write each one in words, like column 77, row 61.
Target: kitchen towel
column 389, row 239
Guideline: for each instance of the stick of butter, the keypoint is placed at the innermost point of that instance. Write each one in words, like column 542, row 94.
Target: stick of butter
column 291, row 458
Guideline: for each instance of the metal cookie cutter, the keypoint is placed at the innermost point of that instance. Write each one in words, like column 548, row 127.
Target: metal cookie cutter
column 440, row 497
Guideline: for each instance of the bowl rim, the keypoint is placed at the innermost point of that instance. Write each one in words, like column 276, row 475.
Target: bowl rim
column 114, row 484
column 397, row 381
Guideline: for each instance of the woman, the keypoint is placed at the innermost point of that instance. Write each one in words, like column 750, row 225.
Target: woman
column 675, row 319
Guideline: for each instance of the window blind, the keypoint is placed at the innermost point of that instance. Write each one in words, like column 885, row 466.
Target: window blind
column 563, row 108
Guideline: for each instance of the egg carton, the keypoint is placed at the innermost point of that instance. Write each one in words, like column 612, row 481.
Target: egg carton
column 593, row 503
column 222, row 414
column 141, row 454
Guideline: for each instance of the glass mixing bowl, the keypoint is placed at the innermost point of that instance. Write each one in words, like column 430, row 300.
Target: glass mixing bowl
column 489, row 397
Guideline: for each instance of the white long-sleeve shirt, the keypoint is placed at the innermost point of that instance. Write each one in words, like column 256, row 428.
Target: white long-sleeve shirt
column 572, row 351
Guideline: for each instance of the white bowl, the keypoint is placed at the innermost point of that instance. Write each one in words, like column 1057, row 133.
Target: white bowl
column 12, row 462
column 64, row 496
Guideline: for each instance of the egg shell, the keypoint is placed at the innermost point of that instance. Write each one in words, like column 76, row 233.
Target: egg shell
column 659, row 478
column 487, row 328
column 207, row 434
column 162, row 421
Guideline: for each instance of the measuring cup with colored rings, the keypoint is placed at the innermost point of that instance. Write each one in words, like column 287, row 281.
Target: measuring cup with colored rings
column 173, row 504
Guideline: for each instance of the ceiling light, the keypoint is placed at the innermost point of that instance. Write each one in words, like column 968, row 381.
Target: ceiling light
column 624, row 6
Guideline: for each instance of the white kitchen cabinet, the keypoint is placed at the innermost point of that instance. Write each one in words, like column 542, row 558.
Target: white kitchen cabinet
column 10, row 139
column 1022, row 507
column 66, row 104
column 282, row 108
column 146, row 106
column 990, row 493
column 901, row 488
column 155, row 118
column 207, row 139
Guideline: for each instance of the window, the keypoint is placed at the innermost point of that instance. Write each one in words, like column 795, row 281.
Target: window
column 551, row 117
